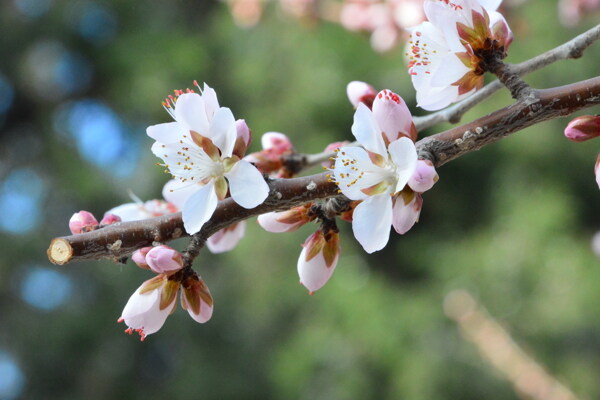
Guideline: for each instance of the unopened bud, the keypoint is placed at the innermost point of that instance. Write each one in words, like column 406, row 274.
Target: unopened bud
column 278, row 142
column 244, row 138
column 597, row 170
column 406, row 211
column 163, row 259
column 109, row 219
column 196, row 299
column 424, row 176
column 393, row 116
column 83, row 221
column 361, row 92
column 318, row 259
column 139, row 257
column 583, row 128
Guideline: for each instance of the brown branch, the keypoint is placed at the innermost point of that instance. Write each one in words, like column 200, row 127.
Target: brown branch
column 574, row 48
column 119, row 240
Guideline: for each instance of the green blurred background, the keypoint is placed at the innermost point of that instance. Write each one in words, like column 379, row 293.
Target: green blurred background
column 511, row 224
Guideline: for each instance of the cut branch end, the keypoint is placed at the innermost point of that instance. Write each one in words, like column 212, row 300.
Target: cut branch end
column 60, row 251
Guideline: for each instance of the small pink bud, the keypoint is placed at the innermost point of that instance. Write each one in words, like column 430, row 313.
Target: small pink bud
column 361, row 92
column 244, row 138
column 83, row 221
column 163, row 259
column 406, row 211
column 318, row 259
column 286, row 221
column 139, row 257
column 278, row 142
column 109, row 219
column 583, row 128
column 424, row 177
column 597, row 170
column 227, row 238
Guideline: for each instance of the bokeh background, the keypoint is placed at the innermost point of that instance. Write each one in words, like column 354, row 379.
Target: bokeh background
column 511, row 224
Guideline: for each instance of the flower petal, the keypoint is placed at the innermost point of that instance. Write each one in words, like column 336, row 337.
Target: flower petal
column 405, row 215
column 223, row 131
column 354, row 171
column 178, row 192
column 211, row 104
column 169, row 132
column 314, row 272
column 247, row 185
column 371, row 222
column 366, row 130
column 190, row 111
column 404, row 155
column 392, row 115
column 199, row 207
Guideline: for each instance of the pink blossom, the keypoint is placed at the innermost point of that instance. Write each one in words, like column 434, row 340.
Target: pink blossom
column 227, row 238
column 583, row 128
column 424, row 177
column 83, row 221
column 196, row 299
column 139, row 257
column 164, row 260
column 318, row 259
column 270, row 160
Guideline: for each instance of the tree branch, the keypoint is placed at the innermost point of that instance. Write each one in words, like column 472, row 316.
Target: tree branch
column 574, row 48
column 121, row 239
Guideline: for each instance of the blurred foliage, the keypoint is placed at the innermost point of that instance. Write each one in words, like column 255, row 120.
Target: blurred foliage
column 80, row 81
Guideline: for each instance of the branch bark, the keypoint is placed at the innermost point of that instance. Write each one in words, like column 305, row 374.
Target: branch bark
column 119, row 240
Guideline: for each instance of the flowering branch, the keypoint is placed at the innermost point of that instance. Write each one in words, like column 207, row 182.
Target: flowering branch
column 119, row 240
column 572, row 49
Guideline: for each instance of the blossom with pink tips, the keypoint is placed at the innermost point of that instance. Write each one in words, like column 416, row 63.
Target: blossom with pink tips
column 139, row 257
column 447, row 54
column 196, row 299
column 378, row 171
column 142, row 210
column 583, row 128
column 109, row 219
column 318, row 259
column 198, row 150
column 83, row 221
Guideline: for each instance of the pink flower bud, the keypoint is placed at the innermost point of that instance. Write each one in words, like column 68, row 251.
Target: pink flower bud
column 393, row 116
column 109, row 219
column 164, row 260
column 361, row 92
column 406, row 211
column 424, row 177
column 318, row 259
column 278, row 142
column 196, row 299
column 244, row 138
column 597, row 170
column 583, row 128
column 139, row 257
column 83, row 221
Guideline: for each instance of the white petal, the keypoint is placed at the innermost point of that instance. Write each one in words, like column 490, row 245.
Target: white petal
column 169, row 132
column 371, row 222
column 445, row 16
column 432, row 99
column 314, row 273
column 490, row 5
column 190, row 111
column 453, row 69
column 223, row 131
column 404, row 155
column 270, row 223
column 199, row 208
column 142, row 311
column 226, row 239
column 177, row 192
column 366, row 130
column 247, row 185
column 211, row 104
